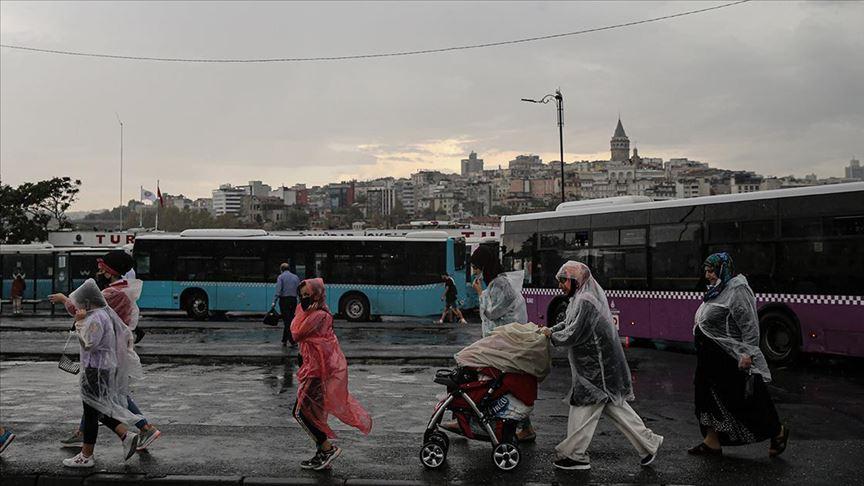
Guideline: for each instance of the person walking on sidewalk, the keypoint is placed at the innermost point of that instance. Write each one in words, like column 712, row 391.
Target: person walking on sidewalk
column 286, row 295
column 106, row 365
column 323, row 377
column 733, row 406
column 121, row 295
column 16, row 293
column 601, row 377
column 450, row 297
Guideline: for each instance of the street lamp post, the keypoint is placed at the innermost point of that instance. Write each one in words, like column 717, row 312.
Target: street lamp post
column 121, row 170
column 559, row 103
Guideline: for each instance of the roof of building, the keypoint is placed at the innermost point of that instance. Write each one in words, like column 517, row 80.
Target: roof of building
column 619, row 130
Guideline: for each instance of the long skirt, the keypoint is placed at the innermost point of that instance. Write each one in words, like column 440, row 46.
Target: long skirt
column 723, row 401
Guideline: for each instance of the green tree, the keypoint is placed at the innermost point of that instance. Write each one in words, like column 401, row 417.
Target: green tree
column 27, row 211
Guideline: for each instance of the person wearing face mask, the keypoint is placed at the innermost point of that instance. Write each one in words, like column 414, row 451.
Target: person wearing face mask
column 121, row 295
column 322, row 387
column 501, row 302
column 733, row 406
column 601, row 377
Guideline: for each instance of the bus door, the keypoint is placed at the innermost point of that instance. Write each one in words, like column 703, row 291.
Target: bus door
column 61, row 275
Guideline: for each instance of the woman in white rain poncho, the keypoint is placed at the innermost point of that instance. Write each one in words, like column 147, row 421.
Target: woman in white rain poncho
column 501, row 303
column 601, row 377
column 107, row 362
column 733, row 406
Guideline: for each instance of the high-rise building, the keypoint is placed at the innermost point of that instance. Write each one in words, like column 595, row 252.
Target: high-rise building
column 855, row 171
column 258, row 189
column 472, row 165
column 228, row 199
column 620, row 144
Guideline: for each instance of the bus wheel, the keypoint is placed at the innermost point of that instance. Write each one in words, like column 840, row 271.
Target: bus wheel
column 780, row 338
column 355, row 307
column 197, row 306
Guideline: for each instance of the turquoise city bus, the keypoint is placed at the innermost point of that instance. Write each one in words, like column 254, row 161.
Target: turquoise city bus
column 223, row 270
column 46, row 270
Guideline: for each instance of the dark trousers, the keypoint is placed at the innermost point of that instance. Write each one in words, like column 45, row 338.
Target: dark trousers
column 286, row 307
column 92, row 417
column 317, row 435
column 132, row 407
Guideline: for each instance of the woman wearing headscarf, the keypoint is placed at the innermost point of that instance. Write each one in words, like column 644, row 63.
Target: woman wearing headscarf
column 322, row 377
column 733, row 406
column 501, row 303
column 107, row 362
column 601, row 377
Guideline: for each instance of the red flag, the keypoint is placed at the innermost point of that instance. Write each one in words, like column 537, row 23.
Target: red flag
column 159, row 195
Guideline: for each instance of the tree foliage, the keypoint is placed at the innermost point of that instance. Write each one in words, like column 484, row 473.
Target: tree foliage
column 28, row 211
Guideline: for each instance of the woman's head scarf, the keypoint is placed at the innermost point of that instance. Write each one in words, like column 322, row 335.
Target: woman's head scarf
column 721, row 264
column 319, row 297
column 588, row 288
column 487, row 261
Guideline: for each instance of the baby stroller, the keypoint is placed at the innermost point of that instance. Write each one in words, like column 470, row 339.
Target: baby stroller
column 487, row 405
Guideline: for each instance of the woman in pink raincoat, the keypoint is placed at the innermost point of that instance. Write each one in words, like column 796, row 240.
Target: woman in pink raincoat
column 322, row 377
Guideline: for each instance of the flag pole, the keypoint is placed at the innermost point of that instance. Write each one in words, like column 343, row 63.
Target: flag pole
column 141, row 208
column 158, row 205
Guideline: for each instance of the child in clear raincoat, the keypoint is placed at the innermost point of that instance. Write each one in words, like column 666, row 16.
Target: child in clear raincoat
column 322, row 377
column 107, row 362
column 601, row 377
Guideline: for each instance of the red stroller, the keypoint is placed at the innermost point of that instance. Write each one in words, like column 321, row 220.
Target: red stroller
column 487, row 405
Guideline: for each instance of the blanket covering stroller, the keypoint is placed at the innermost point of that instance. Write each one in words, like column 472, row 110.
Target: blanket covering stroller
column 491, row 390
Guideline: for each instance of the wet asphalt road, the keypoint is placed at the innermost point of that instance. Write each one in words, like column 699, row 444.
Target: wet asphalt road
column 234, row 419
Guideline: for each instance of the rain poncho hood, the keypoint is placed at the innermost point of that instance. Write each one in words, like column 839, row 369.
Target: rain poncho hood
column 323, row 376
column 502, row 303
column 731, row 321
column 121, row 296
column 597, row 362
column 514, row 348
column 108, row 359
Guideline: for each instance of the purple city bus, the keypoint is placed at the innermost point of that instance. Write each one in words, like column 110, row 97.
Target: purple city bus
column 801, row 249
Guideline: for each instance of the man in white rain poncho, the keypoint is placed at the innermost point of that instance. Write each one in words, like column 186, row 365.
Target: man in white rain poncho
column 121, row 295
column 501, row 302
column 601, row 377
column 107, row 362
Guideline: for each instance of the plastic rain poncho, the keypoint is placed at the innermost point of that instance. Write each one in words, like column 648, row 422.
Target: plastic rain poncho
column 121, row 296
column 323, row 376
column 514, row 348
column 597, row 362
column 502, row 303
column 107, row 356
column 730, row 320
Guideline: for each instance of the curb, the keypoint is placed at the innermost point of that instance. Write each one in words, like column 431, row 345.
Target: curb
column 101, row 479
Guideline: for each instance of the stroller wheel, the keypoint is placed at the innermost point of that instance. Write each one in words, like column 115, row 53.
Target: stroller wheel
column 433, row 454
column 506, row 456
column 439, row 437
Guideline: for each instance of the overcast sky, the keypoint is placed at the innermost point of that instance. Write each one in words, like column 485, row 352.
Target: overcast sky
column 768, row 86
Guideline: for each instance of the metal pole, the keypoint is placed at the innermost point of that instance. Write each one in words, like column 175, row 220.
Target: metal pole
column 121, row 171
column 560, row 99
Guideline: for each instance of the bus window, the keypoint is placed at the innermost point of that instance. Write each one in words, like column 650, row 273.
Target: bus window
column 619, row 268
column 633, row 236
column 551, row 241
column 725, row 231
column 844, row 226
column 676, row 257
column 196, row 268
column 801, row 227
column 459, row 253
column 576, row 239
column 319, row 265
column 758, row 230
column 242, row 269
column 427, row 269
column 605, row 238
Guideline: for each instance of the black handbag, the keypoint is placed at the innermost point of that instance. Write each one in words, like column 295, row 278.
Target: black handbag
column 66, row 363
column 272, row 318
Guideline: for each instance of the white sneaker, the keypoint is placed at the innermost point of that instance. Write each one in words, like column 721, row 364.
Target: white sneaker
column 130, row 445
column 80, row 460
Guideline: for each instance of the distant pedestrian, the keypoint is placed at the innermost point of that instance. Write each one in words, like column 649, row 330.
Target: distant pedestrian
column 601, row 377
column 17, row 293
column 6, row 438
column 501, row 303
column 121, row 295
column 323, row 377
column 733, row 406
column 450, row 297
column 286, row 295
column 106, row 365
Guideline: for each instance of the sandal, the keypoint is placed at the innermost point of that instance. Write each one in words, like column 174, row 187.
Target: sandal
column 778, row 445
column 703, row 450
